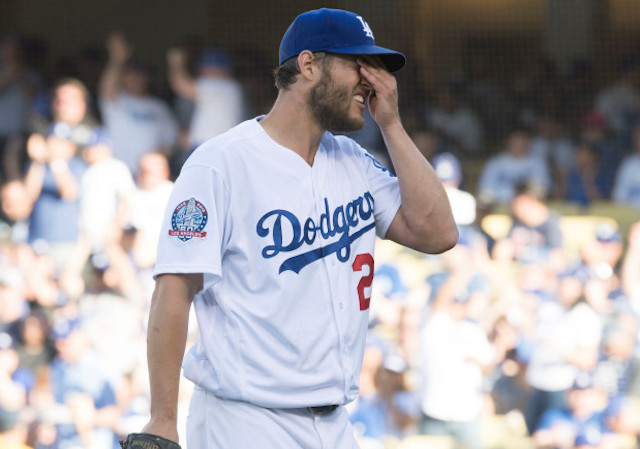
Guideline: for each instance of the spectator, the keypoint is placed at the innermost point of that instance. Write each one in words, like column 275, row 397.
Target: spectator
column 53, row 188
column 107, row 188
column 457, row 122
column 70, row 109
column 391, row 409
column 13, row 305
column 148, row 205
column 137, row 122
column 566, row 341
column 80, row 382
column 616, row 370
column 53, row 175
column 516, row 165
column 463, row 204
column 219, row 102
column 34, row 349
column 535, row 231
column 584, row 182
column 452, row 374
column 41, row 276
column 551, row 144
column 13, row 384
column 620, row 101
column 71, row 119
column 600, row 256
column 111, row 320
column 596, row 133
column 627, row 183
column 508, row 391
column 581, row 423
column 15, row 210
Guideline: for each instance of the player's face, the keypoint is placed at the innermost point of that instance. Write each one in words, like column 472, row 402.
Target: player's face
column 337, row 101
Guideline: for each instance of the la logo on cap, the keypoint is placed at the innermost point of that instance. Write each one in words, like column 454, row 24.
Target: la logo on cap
column 366, row 28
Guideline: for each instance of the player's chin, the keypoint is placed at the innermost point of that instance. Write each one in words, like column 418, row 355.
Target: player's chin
column 356, row 123
column 357, row 113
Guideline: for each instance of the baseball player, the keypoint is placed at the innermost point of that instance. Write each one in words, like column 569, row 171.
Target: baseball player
column 271, row 227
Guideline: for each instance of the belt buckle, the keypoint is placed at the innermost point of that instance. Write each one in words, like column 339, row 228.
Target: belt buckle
column 323, row 409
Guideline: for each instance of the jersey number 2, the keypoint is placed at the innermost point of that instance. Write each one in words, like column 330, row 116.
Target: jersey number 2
column 366, row 281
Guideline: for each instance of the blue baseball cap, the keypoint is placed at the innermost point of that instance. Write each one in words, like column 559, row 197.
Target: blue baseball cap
column 335, row 31
column 608, row 233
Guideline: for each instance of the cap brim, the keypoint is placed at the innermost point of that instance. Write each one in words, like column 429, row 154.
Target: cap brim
column 392, row 60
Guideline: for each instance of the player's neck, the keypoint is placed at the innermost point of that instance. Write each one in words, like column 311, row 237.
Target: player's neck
column 290, row 124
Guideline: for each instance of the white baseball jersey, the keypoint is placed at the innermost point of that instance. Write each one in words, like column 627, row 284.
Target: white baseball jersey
column 287, row 253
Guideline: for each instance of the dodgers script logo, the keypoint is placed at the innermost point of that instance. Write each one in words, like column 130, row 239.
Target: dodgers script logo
column 188, row 220
column 288, row 233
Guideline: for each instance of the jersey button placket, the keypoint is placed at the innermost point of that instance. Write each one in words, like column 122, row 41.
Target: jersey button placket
column 319, row 180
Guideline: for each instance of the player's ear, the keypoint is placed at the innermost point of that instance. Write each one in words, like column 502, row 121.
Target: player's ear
column 308, row 65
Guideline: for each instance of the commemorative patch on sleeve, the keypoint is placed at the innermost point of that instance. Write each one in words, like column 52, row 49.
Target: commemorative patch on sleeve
column 188, row 220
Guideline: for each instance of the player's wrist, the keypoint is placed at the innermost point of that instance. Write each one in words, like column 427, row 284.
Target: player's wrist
column 164, row 429
column 163, row 416
column 391, row 127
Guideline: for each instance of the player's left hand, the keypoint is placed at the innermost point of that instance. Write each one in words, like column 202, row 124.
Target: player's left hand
column 383, row 99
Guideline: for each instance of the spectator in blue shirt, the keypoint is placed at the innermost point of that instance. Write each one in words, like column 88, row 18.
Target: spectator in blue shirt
column 80, row 382
column 516, row 165
column 393, row 408
column 596, row 133
column 584, row 416
column 585, row 182
column 53, row 188
column 627, row 184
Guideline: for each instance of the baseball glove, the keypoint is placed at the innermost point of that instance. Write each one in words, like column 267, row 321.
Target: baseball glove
column 147, row 441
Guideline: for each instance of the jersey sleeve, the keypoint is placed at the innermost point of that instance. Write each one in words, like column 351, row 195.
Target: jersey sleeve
column 193, row 227
column 385, row 190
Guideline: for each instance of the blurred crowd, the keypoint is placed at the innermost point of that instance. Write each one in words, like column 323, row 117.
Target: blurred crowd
column 515, row 326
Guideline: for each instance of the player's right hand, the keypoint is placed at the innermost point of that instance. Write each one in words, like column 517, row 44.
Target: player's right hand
column 383, row 99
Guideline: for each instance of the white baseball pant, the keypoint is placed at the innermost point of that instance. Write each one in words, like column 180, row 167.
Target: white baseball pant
column 215, row 423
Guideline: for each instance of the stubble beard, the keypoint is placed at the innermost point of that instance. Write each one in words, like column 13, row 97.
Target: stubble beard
column 330, row 105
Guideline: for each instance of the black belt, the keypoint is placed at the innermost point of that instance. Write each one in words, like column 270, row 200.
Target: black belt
column 323, row 409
